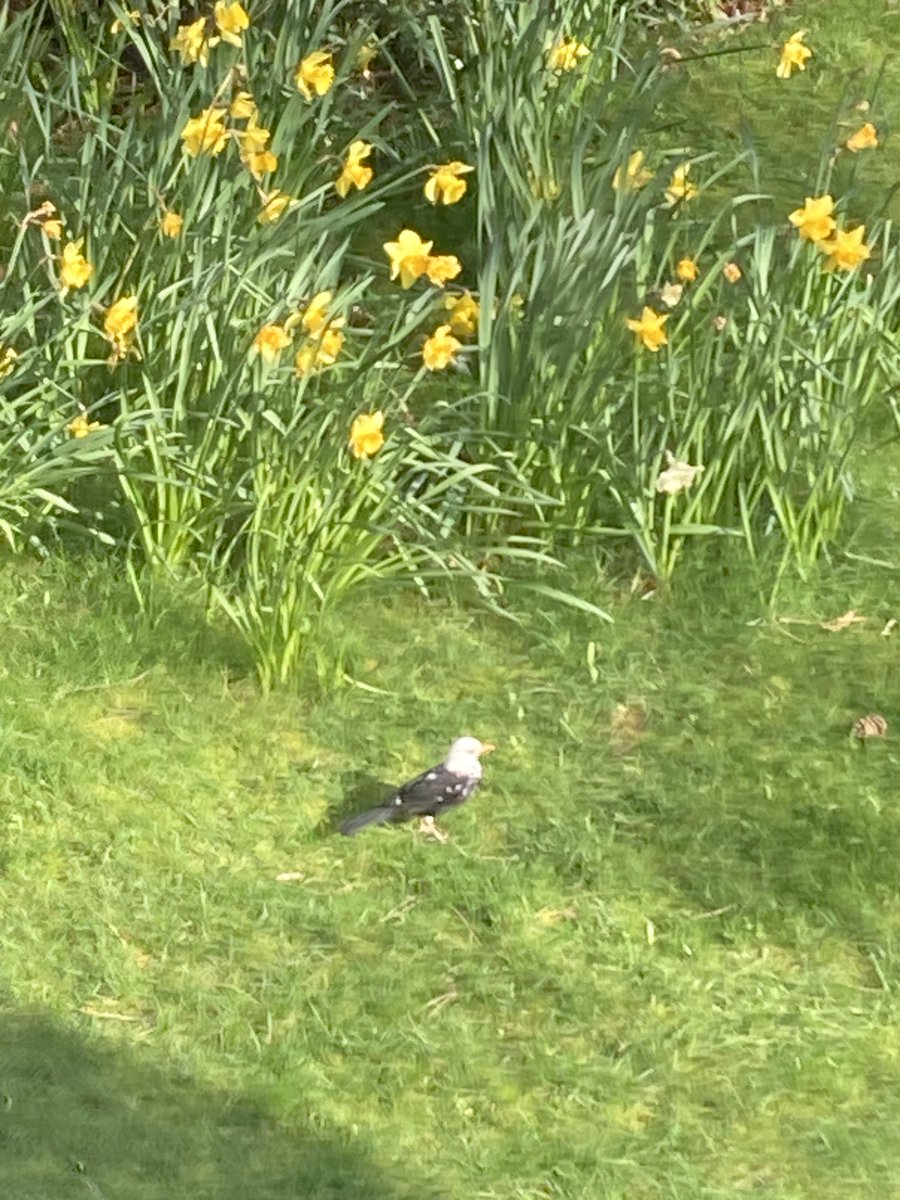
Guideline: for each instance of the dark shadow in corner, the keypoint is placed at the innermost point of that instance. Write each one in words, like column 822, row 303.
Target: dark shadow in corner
column 81, row 1118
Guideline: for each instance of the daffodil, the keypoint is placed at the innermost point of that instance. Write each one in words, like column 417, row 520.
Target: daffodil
column 81, row 426
column 445, row 184
column 315, row 75
column 330, row 345
column 864, row 139
column 677, row 476
column 171, row 225
column 321, row 353
column 131, row 18
column 687, row 270
column 814, row 220
column 315, row 316
column 649, row 328
column 846, row 250
column 439, row 349
column 206, row 133
column 47, row 217
column 253, row 139
column 732, row 272
column 463, row 312
column 671, row 294
column 8, row 358
column 441, row 268
column 243, row 107
column 259, row 164
column 256, row 158
column 274, row 206
column 270, row 341
column 231, row 21
column 354, row 174
column 566, row 54
column 119, row 325
column 634, row 176
column 192, row 43
column 680, row 188
column 793, row 54
column 409, row 257
column 367, row 434
column 75, row 270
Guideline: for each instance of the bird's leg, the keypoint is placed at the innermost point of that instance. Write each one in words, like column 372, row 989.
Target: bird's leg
column 429, row 828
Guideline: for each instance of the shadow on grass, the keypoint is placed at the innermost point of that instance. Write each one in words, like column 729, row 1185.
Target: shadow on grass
column 81, row 1118
column 359, row 791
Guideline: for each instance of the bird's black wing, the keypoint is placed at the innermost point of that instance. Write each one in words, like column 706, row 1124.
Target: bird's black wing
column 431, row 792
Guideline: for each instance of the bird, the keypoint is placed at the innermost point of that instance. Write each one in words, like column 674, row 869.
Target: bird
column 444, row 786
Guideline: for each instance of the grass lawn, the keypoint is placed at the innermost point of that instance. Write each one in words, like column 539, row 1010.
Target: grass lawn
column 793, row 125
column 659, row 958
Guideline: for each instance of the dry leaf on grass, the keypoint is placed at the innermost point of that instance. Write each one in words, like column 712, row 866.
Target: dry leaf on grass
column 874, row 725
column 851, row 617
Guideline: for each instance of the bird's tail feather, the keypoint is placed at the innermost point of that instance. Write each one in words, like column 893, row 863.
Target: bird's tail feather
column 375, row 816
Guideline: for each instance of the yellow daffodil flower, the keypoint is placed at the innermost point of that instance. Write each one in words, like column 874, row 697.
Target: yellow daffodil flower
column 80, row 427
column 814, row 220
column 253, row 139
column 231, row 21
column 121, row 317
column 846, row 250
column 243, row 107
column 330, row 345
column 274, row 206
column 463, row 313
column 679, row 188
column 206, row 133
column 687, row 270
column 260, row 164
column 132, row 18
column 305, row 360
column 321, row 353
column 793, row 54
column 315, row 75
column 649, row 328
column 270, row 341
column 192, row 43
column 566, row 54
column 367, row 434
column 438, row 351
column 634, row 176
column 171, row 225
column 732, row 272
column 119, row 325
column 409, row 257
column 445, row 185
column 864, row 139
column 442, row 267
column 677, row 476
column 47, row 217
column 8, row 358
column 315, row 318
column 75, row 270
column 354, row 174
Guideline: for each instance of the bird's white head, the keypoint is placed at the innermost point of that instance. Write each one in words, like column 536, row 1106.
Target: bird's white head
column 463, row 756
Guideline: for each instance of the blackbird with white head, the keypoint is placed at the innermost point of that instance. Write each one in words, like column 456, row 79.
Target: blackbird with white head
column 450, row 783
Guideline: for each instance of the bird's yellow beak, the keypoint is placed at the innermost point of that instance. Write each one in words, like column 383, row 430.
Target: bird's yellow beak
column 487, row 747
